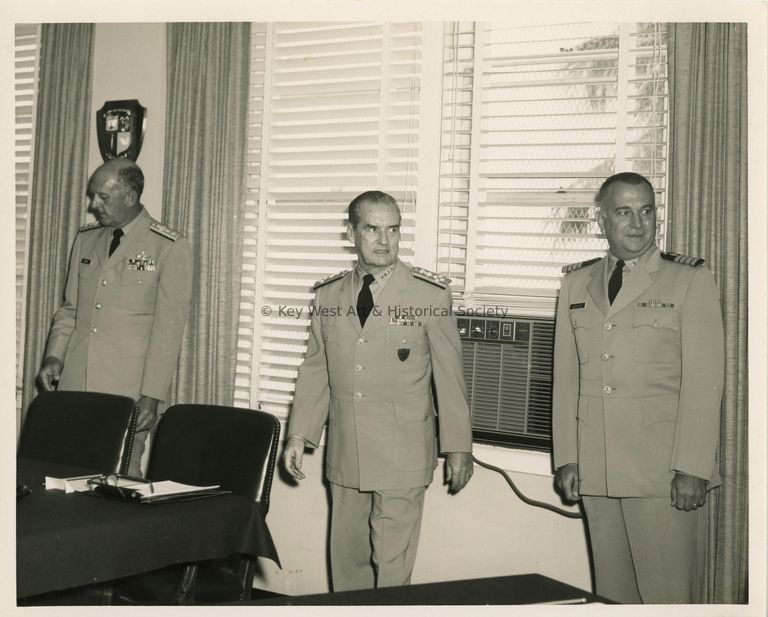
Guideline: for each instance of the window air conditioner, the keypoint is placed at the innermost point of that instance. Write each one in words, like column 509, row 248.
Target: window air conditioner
column 508, row 372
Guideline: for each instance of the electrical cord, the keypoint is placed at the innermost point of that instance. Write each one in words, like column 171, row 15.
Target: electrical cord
column 528, row 500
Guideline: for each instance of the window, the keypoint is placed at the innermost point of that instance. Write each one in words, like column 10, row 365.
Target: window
column 534, row 119
column 335, row 111
column 25, row 85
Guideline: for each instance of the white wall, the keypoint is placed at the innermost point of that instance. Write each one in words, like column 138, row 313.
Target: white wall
column 129, row 63
column 483, row 531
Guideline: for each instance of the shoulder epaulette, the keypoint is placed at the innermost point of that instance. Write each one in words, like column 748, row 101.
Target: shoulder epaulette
column 682, row 259
column 89, row 226
column 430, row 277
column 329, row 279
column 579, row 265
column 167, row 232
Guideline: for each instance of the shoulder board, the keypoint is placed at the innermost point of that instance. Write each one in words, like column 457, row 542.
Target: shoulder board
column 167, row 232
column 682, row 259
column 430, row 277
column 329, row 279
column 89, row 226
column 580, row 264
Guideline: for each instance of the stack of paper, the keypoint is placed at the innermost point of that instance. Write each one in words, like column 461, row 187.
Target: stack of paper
column 75, row 484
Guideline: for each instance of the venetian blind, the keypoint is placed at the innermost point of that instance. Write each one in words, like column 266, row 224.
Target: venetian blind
column 534, row 119
column 335, row 112
column 25, row 86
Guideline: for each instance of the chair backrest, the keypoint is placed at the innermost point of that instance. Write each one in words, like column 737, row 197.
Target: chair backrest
column 82, row 429
column 209, row 444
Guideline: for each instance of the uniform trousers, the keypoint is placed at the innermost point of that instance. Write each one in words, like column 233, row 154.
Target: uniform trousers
column 374, row 536
column 645, row 550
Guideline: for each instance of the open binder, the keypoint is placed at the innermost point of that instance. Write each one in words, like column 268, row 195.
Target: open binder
column 141, row 490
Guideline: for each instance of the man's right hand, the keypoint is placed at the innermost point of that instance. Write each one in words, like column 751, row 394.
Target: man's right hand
column 293, row 455
column 49, row 373
column 567, row 481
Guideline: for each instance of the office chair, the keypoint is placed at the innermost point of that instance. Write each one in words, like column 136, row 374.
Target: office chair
column 206, row 445
column 91, row 430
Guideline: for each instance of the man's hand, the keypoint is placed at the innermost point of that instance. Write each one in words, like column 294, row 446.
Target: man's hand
column 688, row 492
column 567, row 481
column 146, row 407
column 293, row 454
column 458, row 470
column 49, row 373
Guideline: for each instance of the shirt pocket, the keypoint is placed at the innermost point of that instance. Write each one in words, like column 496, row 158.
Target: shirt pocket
column 656, row 337
column 581, row 327
column 84, row 270
column 406, row 347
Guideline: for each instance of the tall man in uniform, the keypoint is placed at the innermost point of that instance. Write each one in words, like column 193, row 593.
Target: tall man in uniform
column 380, row 335
column 638, row 380
column 125, row 304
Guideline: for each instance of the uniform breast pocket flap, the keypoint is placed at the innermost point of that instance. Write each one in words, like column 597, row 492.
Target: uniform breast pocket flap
column 139, row 278
column 656, row 337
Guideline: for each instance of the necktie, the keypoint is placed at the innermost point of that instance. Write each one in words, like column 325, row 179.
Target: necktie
column 116, row 235
column 365, row 299
column 614, row 283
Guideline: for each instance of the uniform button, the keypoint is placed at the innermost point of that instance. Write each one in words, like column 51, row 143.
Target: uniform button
column 358, row 368
column 98, row 305
column 607, row 389
column 94, row 329
column 139, row 281
column 605, row 356
column 360, row 341
column 608, row 326
column 105, row 282
column 358, row 395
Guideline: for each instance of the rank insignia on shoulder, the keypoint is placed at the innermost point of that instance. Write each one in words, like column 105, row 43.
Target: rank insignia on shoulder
column 89, row 226
column 165, row 231
column 682, row 259
column 430, row 277
column 579, row 265
column 329, row 279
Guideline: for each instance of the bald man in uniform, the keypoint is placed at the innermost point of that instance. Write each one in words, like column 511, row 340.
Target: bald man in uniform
column 638, row 378
column 126, row 302
column 380, row 336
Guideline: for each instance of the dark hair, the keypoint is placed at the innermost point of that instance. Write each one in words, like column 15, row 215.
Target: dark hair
column 369, row 196
column 132, row 177
column 627, row 177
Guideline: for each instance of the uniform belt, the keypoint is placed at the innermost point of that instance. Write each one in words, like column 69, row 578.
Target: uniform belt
column 625, row 389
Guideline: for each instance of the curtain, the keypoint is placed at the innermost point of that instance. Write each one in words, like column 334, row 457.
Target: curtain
column 708, row 217
column 57, row 205
column 204, row 194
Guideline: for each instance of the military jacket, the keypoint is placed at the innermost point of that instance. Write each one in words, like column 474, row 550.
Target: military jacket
column 638, row 384
column 119, row 329
column 373, row 385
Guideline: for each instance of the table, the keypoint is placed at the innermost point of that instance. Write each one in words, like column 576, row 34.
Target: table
column 69, row 540
column 518, row 589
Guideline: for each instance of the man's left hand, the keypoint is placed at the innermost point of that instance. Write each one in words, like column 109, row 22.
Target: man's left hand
column 458, row 470
column 146, row 407
column 688, row 492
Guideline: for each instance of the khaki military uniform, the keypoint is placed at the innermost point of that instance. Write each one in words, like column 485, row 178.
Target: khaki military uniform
column 637, row 390
column 119, row 329
column 373, row 385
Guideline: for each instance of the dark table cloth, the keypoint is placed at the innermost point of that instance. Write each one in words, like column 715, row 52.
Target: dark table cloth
column 68, row 540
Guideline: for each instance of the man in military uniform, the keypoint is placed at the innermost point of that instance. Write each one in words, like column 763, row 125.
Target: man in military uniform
column 638, row 380
column 380, row 335
column 125, row 304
